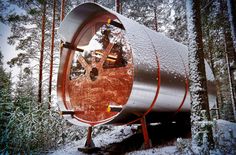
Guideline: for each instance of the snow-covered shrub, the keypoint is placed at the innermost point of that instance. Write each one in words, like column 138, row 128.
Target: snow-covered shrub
column 200, row 143
column 101, row 129
column 37, row 130
column 184, row 146
column 73, row 132
column 224, row 137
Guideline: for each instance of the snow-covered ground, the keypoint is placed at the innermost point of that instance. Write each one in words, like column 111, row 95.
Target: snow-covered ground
column 114, row 135
column 225, row 134
column 162, row 151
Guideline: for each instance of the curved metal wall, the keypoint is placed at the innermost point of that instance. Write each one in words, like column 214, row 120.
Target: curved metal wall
column 160, row 83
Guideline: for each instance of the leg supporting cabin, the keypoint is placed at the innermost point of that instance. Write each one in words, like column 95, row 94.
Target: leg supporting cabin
column 147, row 141
column 89, row 142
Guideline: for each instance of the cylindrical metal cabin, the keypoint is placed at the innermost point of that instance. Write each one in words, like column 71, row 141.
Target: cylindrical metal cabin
column 124, row 66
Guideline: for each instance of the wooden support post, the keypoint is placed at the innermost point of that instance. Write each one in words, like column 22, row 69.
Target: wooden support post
column 147, row 143
column 89, row 142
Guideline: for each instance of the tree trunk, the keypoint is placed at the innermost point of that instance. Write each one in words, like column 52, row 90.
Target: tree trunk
column 61, row 18
column 52, row 53
column 41, row 54
column 117, row 3
column 232, row 18
column 226, row 109
column 155, row 18
column 121, row 6
column 231, row 5
column 215, row 111
column 198, row 85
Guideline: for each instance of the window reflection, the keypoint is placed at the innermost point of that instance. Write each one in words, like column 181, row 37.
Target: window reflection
column 76, row 68
column 94, row 51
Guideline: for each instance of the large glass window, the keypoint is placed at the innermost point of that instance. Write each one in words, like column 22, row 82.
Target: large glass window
column 102, row 74
column 99, row 53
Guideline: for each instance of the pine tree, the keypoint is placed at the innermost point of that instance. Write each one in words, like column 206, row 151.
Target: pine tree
column 51, row 55
column 201, row 131
column 3, row 7
column 40, row 88
column 118, row 6
column 226, row 110
column 153, row 14
column 179, row 23
column 231, row 5
column 209, row 49
column 214, row 28
column 6, row 106
column 32, row 128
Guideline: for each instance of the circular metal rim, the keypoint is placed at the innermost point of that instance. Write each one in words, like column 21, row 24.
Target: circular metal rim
column 101, row 18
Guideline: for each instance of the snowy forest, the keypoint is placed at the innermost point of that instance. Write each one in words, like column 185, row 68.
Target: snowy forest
column 31, row 121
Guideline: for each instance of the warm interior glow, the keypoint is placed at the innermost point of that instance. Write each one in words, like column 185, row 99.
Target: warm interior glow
column 102, row 75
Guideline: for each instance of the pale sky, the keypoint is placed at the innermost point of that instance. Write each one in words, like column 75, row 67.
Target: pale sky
column 5, row 31
column 8, row 51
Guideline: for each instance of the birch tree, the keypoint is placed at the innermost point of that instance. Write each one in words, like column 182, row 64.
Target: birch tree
column 201, row 130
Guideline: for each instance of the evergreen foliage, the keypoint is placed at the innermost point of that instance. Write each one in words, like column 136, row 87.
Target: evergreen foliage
column 37, row 130
column 6, row 105
column 217, row 45
column 28, row 126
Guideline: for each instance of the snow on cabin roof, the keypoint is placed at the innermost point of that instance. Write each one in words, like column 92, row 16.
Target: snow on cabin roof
column 139, row 37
